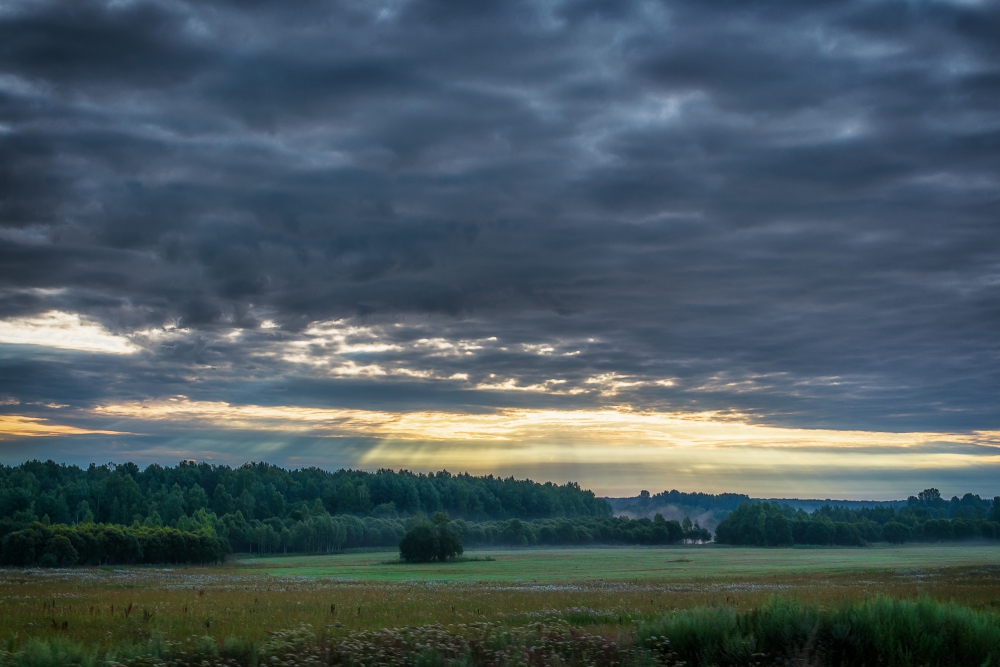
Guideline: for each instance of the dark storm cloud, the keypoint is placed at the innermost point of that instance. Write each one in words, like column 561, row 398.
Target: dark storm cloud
column 785, row 209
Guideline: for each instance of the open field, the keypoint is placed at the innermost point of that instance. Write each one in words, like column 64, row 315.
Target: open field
column 609, row 590
column 629, row 563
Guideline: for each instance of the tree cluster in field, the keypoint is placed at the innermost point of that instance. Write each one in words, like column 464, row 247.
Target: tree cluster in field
column 61, row 545
column 927, row 517
column 431, row 540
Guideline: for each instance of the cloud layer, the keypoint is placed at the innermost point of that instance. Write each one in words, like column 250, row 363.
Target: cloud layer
column 782, row 211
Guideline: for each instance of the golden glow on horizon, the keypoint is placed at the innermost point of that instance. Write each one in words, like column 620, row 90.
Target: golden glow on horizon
column 520, row 428
column 611, row 450
column 19, row 426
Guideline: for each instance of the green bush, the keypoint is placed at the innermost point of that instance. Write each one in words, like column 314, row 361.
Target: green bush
column 990, row 530
column 61, row 545
column 61, row 551
column 427, row 542
column 937, row 530
column 895, row 532
column 773, row 524
column 879, row 631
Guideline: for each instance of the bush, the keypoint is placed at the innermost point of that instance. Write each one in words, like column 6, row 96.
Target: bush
column 820, row 532
column 879, row 631
column 60, row 545
column 761, row 524
column 895, row 532
column 419, row 545
column 846, row 534
column 964, row 530
column 937, row 530
column 61, row 550
column 430, row 541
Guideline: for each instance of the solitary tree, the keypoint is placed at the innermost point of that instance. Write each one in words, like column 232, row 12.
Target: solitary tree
column 426, row 542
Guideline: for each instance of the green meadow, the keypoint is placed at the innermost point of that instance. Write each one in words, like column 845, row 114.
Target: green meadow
column 665, row 564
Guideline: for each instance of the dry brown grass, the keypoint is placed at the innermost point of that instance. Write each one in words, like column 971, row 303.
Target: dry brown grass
column 108, row 607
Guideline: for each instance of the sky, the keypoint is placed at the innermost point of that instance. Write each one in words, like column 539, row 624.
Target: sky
column 638, row 244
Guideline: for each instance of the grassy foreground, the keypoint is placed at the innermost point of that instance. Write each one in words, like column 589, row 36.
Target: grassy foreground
column 614, row 601
column 878, row 631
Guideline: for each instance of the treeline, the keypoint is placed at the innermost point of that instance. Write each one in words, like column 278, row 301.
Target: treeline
column 722, row 502
column 582, row 530
column 100, row 544
column 207, row 537
column 123, row 494
column 707, row 507
column 315, row 532
column 259, row 508
column 926, row 517
column 323, row 532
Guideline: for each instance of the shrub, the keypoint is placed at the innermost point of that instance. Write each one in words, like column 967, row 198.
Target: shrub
column 61, row 550
column 820, row 532
column 878, row 631
column 419, row 545
column 963, row 530
column 895, row 532
column 60, row 545
column 847, row 535
column 427, row 542
column 937, row 530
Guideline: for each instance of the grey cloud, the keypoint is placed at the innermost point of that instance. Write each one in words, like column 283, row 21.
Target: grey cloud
column 788, row 209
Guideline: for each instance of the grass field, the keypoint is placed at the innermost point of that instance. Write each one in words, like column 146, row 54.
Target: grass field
column 610, row 589
column 628, row 563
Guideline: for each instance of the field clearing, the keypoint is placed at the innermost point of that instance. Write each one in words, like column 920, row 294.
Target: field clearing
column 628, row 563
column 609, row 590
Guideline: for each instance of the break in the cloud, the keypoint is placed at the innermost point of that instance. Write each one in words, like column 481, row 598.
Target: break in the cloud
column 780, row 213
column 62, row 330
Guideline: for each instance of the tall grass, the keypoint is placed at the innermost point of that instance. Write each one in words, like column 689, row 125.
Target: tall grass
column 878, row 631
column 48, row 653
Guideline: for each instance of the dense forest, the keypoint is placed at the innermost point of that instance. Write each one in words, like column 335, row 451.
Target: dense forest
column 122, row 494
column 59, row 514
column 101, row 544
column 260, row 507
column 119, row 513
column 724, row 502
column 926, row 517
